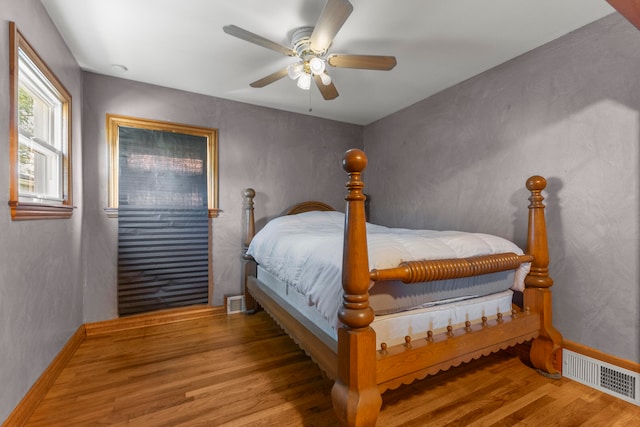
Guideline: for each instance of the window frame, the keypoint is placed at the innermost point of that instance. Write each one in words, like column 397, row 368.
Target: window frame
column 113, row 124
column 23, row 210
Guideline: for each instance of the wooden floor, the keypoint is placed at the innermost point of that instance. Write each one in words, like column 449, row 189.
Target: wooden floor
column 243, row 371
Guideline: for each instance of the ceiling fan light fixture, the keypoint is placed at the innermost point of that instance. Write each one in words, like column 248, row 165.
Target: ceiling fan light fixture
column 295, row 70
column 317, row 66
column 304, row 81
column 326, row 79
column 310, row 46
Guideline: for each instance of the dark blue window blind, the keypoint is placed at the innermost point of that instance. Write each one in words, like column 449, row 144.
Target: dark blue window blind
column 163, row 224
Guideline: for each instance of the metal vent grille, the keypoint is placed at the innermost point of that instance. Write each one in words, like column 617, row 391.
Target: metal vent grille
column 618, row 382
column 602, row 376
column 235, row 304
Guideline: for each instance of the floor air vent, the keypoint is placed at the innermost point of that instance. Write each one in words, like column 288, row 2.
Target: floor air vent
column 602, row 376
column 235, row 304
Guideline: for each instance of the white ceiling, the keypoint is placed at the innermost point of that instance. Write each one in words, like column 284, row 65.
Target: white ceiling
column 438, row 43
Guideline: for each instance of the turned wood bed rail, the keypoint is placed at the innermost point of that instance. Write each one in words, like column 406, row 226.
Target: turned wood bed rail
column 443, row 269
column 362, row 372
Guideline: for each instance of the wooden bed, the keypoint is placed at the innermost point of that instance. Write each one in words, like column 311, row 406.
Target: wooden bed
column 363, row 372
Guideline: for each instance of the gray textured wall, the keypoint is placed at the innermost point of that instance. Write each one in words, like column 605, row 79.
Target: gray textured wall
column 568, row 111
column 286, row 157
column 40, row 261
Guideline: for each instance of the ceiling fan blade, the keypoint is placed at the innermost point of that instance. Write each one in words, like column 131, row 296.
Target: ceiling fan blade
column 256, row 39
column 333, row 16
column 270, row 78
column 367, row 62
column 329, row 91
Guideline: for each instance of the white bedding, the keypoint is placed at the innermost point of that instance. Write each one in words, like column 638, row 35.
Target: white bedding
column 392, row 328
column 305, row 252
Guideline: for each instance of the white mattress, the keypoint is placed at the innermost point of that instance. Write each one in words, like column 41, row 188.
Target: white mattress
column 305, row 252
column 392, row 328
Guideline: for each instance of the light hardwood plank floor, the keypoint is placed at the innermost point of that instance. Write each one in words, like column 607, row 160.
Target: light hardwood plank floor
column 243, row 371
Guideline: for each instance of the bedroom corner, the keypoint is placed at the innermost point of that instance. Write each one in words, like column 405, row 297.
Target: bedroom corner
column 568, row 111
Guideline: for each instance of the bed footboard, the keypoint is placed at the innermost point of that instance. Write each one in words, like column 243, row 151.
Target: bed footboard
column 364, row 373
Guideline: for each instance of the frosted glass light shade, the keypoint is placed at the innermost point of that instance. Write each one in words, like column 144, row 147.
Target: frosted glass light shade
column 326, row 79
column 295, row 70
column 316, row 65
column 304, row 81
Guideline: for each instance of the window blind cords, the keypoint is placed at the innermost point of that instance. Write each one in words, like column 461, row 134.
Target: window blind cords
column 163, row 224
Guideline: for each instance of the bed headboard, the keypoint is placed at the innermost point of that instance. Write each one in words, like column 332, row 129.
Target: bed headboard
column 249, row 227
column 308, row 207
column 319, row 206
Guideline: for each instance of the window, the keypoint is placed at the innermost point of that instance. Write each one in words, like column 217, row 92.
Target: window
column 163, row 189
column 178, row 163
column 40, row 137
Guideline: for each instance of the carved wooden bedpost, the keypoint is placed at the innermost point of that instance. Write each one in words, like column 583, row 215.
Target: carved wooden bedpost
column 355, row 394
column 537, row 294
column 248, row 231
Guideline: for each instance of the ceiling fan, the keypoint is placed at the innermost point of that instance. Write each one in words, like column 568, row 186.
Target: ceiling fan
column 309, row 45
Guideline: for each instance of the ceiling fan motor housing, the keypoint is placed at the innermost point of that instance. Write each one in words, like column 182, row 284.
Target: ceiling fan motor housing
column 311, row 63
column 301, row 43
